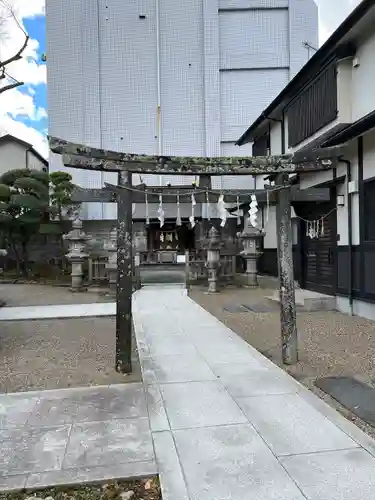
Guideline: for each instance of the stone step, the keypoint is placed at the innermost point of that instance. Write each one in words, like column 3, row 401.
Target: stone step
column 310, row 301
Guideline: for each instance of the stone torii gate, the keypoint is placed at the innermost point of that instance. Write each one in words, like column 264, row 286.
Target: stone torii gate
column 84, row 157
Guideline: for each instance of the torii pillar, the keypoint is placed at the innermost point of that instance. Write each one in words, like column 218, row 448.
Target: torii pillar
column 124, row 320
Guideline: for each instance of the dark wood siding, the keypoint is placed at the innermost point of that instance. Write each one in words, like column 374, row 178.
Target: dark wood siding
column 314, row 108
column 369, row 210
column 261, row 145
column 319, row 255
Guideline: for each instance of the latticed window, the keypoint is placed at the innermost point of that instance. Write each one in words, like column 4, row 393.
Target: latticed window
column 314, row 108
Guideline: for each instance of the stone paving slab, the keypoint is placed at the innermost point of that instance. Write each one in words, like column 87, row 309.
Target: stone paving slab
column 261, row 307
column 338, row 475
column 247, row 468
column 304, row 430
column 255, row 432
column 98, row 309
column 356, row 396
column 235, row 308
column 74, row 435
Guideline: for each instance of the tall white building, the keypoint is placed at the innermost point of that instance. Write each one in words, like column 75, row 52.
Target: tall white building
column 182, row 77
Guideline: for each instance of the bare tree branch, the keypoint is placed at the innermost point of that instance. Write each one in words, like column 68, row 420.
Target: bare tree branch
column 15, row 57
column 11, row 86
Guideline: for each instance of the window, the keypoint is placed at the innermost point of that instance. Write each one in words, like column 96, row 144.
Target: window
column 261, row 145
column 314, row 108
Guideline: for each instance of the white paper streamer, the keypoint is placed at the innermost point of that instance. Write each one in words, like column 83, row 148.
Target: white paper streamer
column 238, row 212
column 192, row 217
column 253, row 211
column 222, row 211
column 178, row 218
column 147, row 213
column 161, row 211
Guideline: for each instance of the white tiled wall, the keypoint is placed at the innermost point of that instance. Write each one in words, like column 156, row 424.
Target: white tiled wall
column 254, row 39
column 102, row 74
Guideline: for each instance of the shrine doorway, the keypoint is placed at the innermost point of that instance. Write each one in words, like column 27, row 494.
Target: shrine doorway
column 170, row 242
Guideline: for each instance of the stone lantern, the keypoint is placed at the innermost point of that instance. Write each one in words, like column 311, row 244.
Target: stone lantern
column 250, row 239
column 213, row 259
column 77, row 240
column 111, row 266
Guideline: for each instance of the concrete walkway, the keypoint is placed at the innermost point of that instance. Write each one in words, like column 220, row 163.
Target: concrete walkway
column 232, row 425
column 74, row 435
column 223, row 422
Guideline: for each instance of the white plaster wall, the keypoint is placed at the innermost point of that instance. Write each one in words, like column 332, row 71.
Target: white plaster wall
column 360, row 308
column 342, row 212
column 13, row 156
column 270, row 239
column 313, row 178
column 344, row 90
column 369, row 155
column 34, row 162
column 363, row 96
column 275, row 138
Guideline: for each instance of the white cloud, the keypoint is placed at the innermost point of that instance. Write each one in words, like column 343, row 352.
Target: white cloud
column 19, row 103
column 331, row 14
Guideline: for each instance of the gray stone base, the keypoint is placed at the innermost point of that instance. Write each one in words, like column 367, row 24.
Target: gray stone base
column 356, row 396
column 310, row 301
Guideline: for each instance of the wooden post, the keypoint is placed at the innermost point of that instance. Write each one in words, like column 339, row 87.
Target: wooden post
column 124, row 319
column 289, row 339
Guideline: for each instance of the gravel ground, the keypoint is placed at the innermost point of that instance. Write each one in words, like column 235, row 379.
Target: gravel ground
column 330, row 343
column 36, row 295
column 142, row 489
column 53, row 354
column 56, row 354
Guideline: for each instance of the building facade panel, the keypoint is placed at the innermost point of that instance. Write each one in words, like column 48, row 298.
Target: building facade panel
column 104, row 68
column 254, row 39
column 244, row 95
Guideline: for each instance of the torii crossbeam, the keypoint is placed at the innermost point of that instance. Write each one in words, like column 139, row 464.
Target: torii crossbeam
column 88, row 158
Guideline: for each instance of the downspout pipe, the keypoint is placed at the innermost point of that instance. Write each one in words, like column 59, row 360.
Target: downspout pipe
column 350, row 233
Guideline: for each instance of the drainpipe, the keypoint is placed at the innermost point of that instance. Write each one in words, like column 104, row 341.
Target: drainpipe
column 158, row 76
column 350, row 234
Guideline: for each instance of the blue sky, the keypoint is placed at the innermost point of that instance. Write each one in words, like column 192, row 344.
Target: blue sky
column 23, row 110
column 36, row 28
